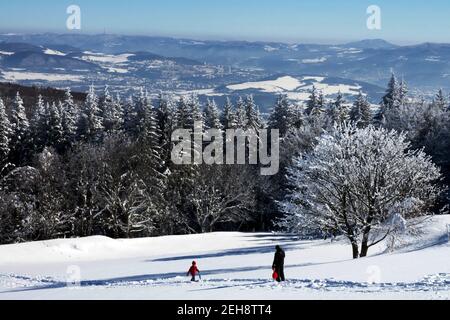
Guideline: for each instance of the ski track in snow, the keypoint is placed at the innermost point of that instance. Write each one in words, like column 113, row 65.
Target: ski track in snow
column 434, row 283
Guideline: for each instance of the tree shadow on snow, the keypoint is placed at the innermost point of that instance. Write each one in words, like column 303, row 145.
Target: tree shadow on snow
column 135, row 280
column 227, row 253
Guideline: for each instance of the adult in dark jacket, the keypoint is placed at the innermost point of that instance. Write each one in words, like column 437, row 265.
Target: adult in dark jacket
column 278, row 263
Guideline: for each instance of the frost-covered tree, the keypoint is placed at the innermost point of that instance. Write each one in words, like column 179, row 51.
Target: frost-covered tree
column 440, row 100
column 298, row 116
column 145, row 114
column 20, row 127
column 52, row 219
column 253, row 116
column 90, row 123
column 313, row 101
column 221, row 194
column 129, row 201
column 241, row 116
column 338, row 110
column 228, row 117
column 403, row 92
column 392, row 99
column 392, row 96
column 166, row 118
column 356, row 181
column 426, row 125
column 282, row 116
column 112, row 112
column 69, row 118
column 38, row 125
column 211, row 115
column 18, row 203
column 183, row 116
column 195, row 110
column 361, row 112
column 129, row 115
column 55, row 130
column 5, row 135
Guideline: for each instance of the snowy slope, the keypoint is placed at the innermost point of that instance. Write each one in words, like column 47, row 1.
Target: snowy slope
column 234, row 266
column 298, row 88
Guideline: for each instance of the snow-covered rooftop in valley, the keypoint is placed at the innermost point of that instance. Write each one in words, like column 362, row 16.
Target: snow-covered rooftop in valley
column 233, row 266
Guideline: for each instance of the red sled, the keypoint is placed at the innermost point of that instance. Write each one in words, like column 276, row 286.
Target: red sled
column 275, row 275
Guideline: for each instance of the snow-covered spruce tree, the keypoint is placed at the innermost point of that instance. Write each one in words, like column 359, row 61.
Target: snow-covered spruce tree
column 338, row 111
column 112, row 112
column 165, row 116
column 253, row 116
column 361, row 112
column 298, row 116
column 282, row 116
column 5, row 135
column 20, row 126
column 55, row 130
column 403, row 92
column 313, row 101
column 354, row 182
column 211, row 114
column 427, row 126
column 83, row 180
column 440, row 100
column 241, row 116
column 129, row 115
column 228, row 117
column 393, row 98
column 90, row 124
column 145, row 121
column 195, row 111
column 38, row 126
column 183, row 116
column 69, row 118
column 147, row 162
column 131, row 190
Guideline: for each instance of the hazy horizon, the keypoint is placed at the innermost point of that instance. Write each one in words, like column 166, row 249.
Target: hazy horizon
column 287, row 21
column 218, row 39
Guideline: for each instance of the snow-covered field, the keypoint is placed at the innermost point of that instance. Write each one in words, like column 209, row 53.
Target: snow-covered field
column 298, row 89
column 233, row 265
column 18, row 76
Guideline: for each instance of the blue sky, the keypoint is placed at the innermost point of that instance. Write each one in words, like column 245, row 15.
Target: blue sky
column 281, row 20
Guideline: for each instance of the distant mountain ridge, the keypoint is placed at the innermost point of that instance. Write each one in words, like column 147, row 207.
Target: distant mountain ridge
column 425, row 66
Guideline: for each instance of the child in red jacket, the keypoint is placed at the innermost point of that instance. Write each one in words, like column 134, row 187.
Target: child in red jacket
column 193, row 270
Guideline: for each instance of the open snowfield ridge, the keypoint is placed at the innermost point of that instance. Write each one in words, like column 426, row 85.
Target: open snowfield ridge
column 233, row 265
column 29, row 76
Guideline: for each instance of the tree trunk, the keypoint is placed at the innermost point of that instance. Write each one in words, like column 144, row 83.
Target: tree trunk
column 364, row 249
column 366, row 233
column 355, row 250
column 365, row 243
